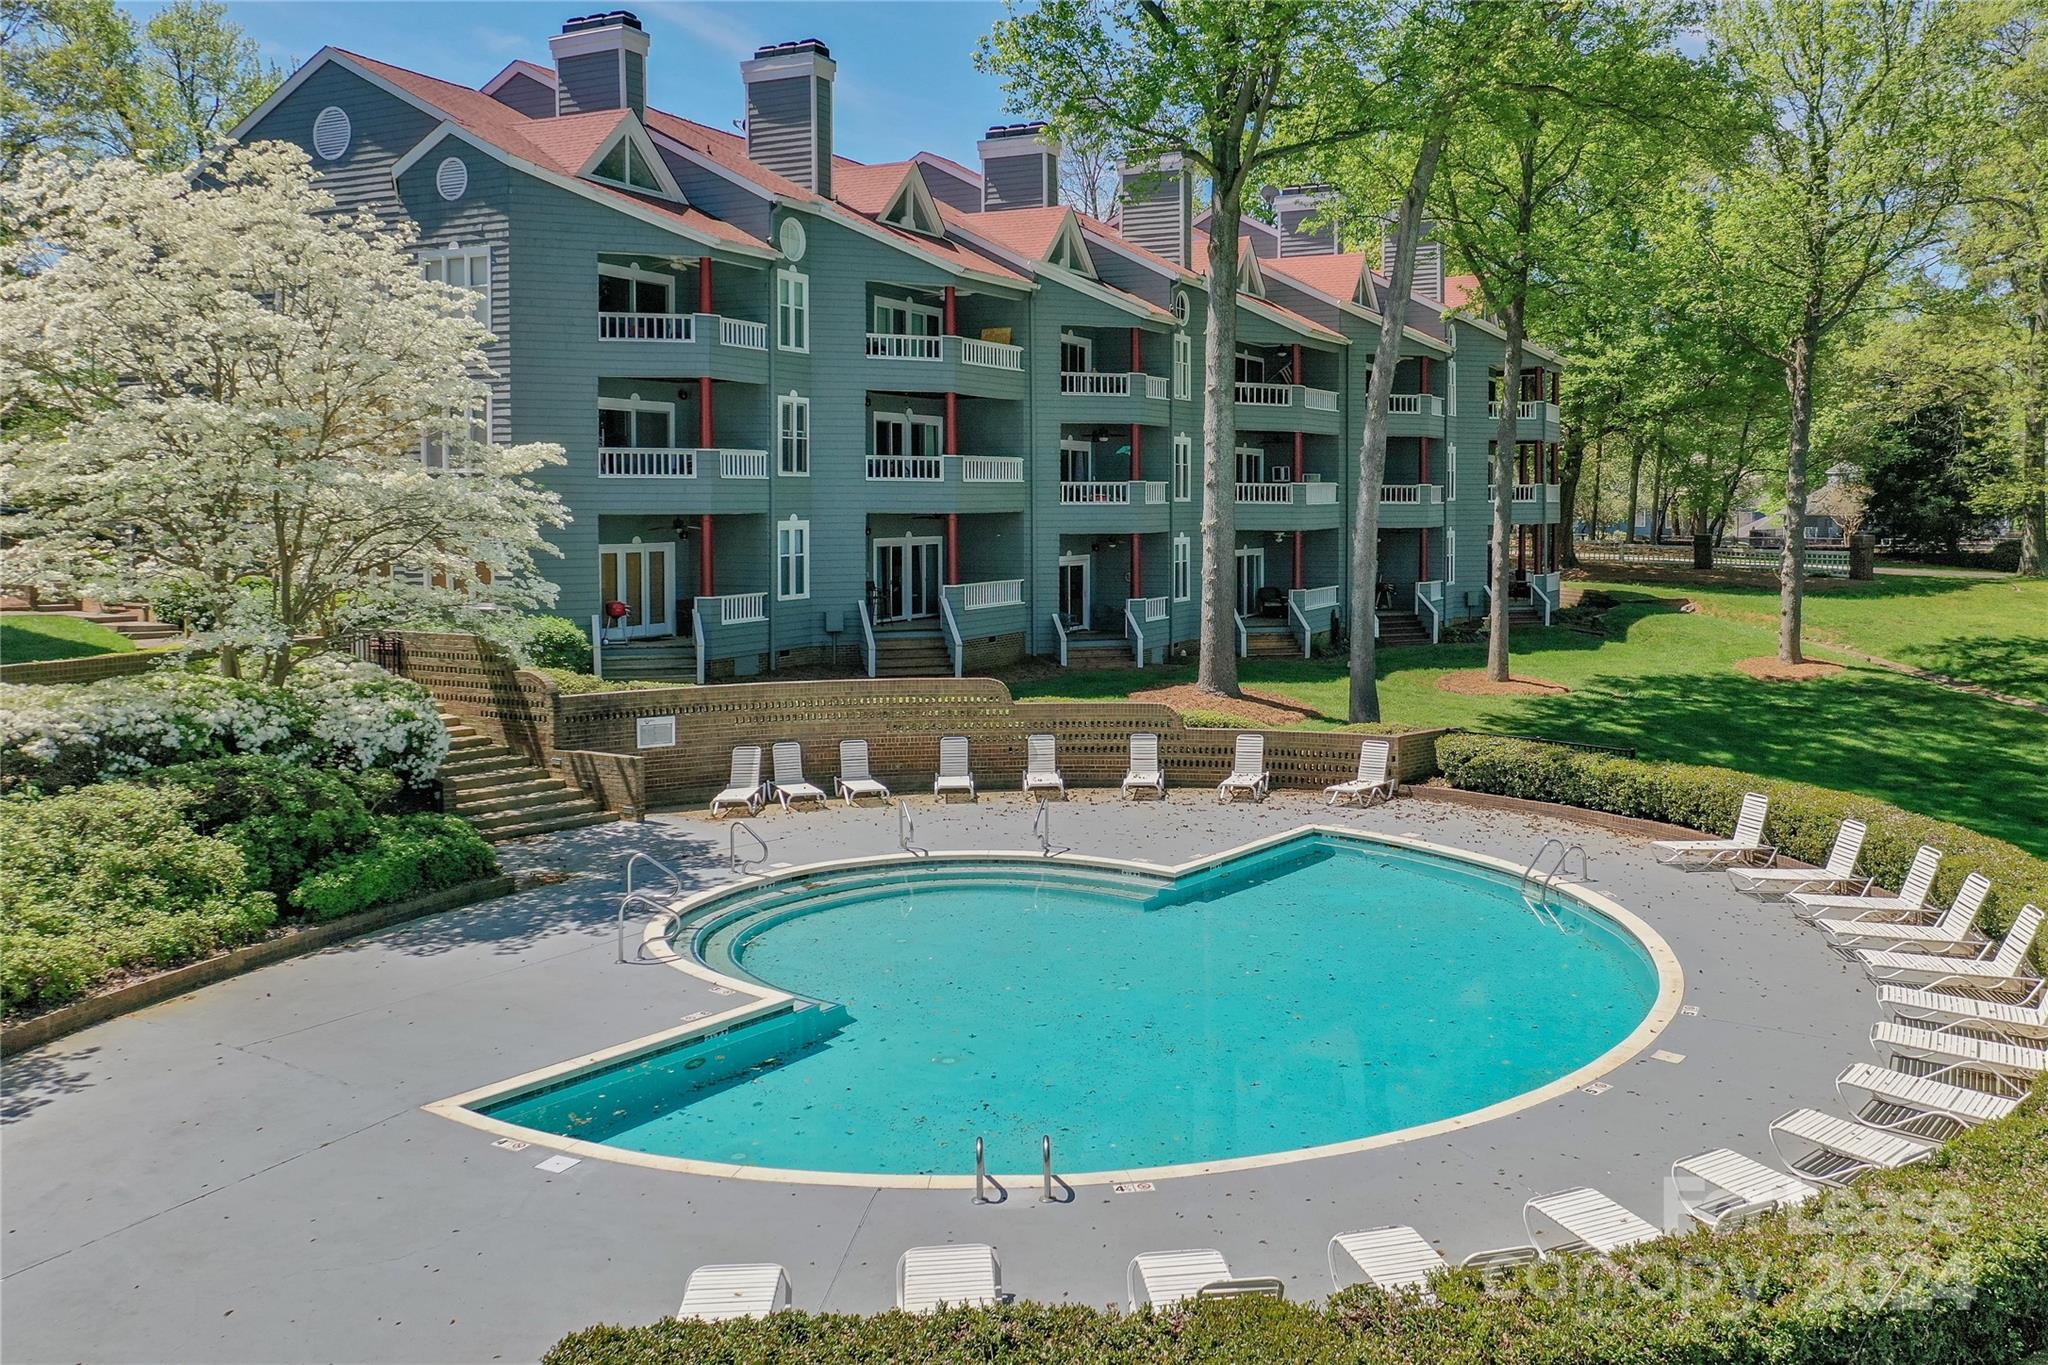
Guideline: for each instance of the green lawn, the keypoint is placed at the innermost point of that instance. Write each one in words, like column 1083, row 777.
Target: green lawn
column 29, row 636
column 1989, row 631
column 1662, row 682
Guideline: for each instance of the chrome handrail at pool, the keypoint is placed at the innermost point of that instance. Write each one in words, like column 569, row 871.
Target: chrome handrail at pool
column 906, row 829
column 1540, row 906
column 980, row 1172
column 675, row 879
column 662, row 908
column 1041, row 825
column 1045, row 1150
column 732, row 845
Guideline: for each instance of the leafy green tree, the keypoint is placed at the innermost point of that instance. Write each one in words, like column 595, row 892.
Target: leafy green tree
column 1853, row 172
column 1230, row 87
column 1588, row 106
column 81, row 77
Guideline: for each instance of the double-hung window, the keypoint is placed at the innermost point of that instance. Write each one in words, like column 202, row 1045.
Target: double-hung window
column 792, row 310
column 1183, row 468
column 465, row 267
column 1183, row 569
column 793, row 434
column 1450, row 471
column 440, row 455
column 1451, row 387
column 1183, row 365
column 792, row 559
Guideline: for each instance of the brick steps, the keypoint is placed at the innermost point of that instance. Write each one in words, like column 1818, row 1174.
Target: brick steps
column 1400, row 629
column 670, row 661
column 903, row 655
column 1271, row 644
column 503, row 795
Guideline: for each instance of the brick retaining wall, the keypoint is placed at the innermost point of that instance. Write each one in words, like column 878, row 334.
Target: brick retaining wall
column 90, row 668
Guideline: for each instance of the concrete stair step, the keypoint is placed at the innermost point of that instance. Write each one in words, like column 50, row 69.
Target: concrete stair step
column 507, row 833
column 493, row 823
column 532, row 791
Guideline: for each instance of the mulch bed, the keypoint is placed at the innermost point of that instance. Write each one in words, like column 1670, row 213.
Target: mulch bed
column 1473, row 682
column 1253, row 708
column 1768, row 668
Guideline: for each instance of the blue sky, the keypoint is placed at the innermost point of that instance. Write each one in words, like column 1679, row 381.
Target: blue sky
column 907, row 81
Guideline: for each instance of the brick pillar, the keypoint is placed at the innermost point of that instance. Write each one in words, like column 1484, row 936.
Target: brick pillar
column 704, row 284
column 705, row 439
column 705, row 587
column 952, row 547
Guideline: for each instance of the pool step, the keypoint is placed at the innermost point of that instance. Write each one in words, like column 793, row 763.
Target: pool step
column 502, row 793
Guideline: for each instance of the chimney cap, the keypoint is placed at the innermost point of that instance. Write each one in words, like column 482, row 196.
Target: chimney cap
column 816, row 45
column 1000, row 130
column 623, row 18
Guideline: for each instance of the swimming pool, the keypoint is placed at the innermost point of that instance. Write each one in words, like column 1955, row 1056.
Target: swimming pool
column 1319, row 990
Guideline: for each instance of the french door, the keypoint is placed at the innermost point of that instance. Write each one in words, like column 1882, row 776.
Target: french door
column 1251, row 464
column 1077, row 461
column 1074, row 570
column 643, row 577
column 907, row 577
column 1251, row 576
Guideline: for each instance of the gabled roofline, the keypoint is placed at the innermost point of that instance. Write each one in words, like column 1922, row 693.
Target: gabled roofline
column 519, row 66
column 316, row 62
column 1179, row 274
column 628, row 127
column 1359, row 310
column 1535, row 348
column 1080, row 284
column 913, row 185
column 1293, row 321
column 847, row 218
column 1070, row 227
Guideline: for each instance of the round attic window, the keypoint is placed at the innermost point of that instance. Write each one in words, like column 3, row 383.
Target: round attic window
column 790, row 236
column 451, row 178
column 1180, row 306
column 331, row 132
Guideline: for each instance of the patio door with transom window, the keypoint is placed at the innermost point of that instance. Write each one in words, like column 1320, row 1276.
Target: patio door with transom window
column 903, row 318
column 1251, row 464
column 907, row 578
column 1077, row 461
column 643, row 577
column 1251, row 576
column 1074, row 590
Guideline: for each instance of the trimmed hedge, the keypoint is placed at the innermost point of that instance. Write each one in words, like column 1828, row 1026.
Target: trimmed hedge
column 1801, row 823
column 1947, row 1261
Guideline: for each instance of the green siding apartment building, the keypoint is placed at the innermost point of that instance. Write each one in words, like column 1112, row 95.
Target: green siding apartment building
column 910, row 417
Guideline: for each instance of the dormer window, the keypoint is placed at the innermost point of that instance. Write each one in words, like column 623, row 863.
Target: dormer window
column 1068, row 250
column 626, row 165
column 913, row 208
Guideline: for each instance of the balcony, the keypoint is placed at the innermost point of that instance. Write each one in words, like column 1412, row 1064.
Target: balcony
column 1534, row 421
column 1278, row 506
column 1119, row 399
column 919, row 363
column 686, row 345
column 1116, row 506
column 1535, row 504
column 642, row 462
column 1415, row 414
column 1098, row 491
column 1406, row 506
column 1286, row 407
column 976, row 611
column 951, row 483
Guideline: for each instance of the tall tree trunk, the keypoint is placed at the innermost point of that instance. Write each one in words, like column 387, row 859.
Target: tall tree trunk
column 1502, row 477
column 1792, row 561
column 1657, row 492
column 2034, row 437
column 1372, row 451
column 1635, row 484
column 1568, row 470
column 1599, row 471
column 1217, row 670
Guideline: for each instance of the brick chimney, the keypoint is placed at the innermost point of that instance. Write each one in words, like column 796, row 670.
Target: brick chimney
column 789, row 111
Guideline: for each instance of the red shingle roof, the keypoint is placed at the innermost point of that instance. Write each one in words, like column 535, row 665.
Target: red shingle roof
column 1336, row 275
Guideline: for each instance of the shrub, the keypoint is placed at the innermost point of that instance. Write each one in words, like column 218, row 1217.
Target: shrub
column 555, row 642
column 286, row 818
column 331, row 711
column 573, row 683
column 107, row 878
column 411, row 855
column 1946, row 1261
column 1802, row 818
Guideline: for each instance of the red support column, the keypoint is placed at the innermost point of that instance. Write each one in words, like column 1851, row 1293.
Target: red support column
column 1137, row 350
column 952, row 547
column 951, row 435
column 1424, row 462
column 1299, row 582
column 1422, row 557
column 705, row 440
column 1300, row 462
column 1137, row 451
column 705, row 587
column 952, row 323
column 1137, row 565
column 1299, row 377
column 1423, row 365
column 704, row 284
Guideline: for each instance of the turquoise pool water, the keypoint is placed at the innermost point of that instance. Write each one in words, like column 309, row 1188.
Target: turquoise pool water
column 1318, row 991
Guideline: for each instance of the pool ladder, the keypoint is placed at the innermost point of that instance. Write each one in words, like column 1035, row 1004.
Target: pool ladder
column 1539, row 905
column 982, row 1179
column 634, row 895
column 906, row 830
column 1041, row 827
column 732, row 845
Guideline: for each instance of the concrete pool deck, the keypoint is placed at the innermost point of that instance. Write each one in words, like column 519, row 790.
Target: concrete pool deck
column 247, row 1173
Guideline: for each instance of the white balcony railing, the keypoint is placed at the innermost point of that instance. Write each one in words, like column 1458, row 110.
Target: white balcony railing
column 742, row 464
column 906, row 468
column 1155, row 493
column 1319, row 400
column 1317, row 599
column 1088, row 383
column 748, row 336
column 646, row 326
column 902, row 346
column 1266, row 395
column 1407, row 494
column 1156, row 387
column 616, row 462
column 1313, row 494
column 991, row 469
column 735, row 609
column 1001, row 592
column 1528, row 411
column 1265, row 492
column 1415, row 405
column 1318, row 494
column 994, row 355
column 1113, row 491
column 1528, row 492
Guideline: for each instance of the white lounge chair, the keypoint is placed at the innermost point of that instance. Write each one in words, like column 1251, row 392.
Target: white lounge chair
column 1590, row 1221
column 854, row 778
column 1247, row 770
column 1501, row 1258
column 1839, row 870
column 743, row 787
column 2021, row 1020
column 1393, row 1258
column 1162, row 1279
column 1834, row 1150
column 1919, row 1105
column 1995, row 965
column 2010, row 1067
column 1733, row 1188
column 953, row 775
column 1953, row 930
column 789, row 776
column 714, row 1293
column 1911, row 900
column 1747, row 845
column 1372, row 783
column 1041, row 765
column 1145, row 774
column 928, row 1277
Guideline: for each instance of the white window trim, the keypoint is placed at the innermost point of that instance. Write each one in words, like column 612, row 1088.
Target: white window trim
column 800, row 284
column 1450, row 555
column 446, row 466
column 638, row 276
column 440, row 256
column 1183, row 468
column 1087, row 346
column 1183, row 366
column 909, row 421
column 1451, row 387
column 1450, row 471
column 798, row 548
column 932, row 311
column 1183, row 569
column 636, row 403
column 786, row 435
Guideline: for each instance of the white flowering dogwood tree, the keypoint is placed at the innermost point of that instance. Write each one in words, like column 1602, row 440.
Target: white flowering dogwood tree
column 222, row 391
